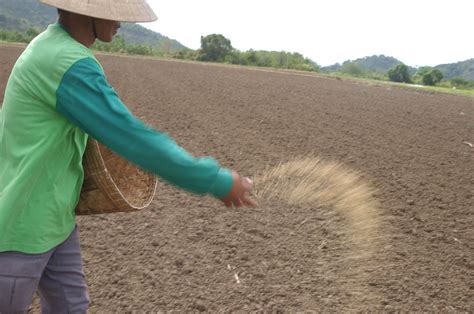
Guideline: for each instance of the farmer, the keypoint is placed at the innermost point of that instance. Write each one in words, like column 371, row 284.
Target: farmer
column 57, row 96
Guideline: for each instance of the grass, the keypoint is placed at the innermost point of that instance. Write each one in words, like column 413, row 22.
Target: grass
column 440, row 89
column 436, row 89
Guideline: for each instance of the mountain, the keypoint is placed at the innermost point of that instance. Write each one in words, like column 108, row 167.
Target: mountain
column 23, row 14
column 380, row 64
column 464, row 69
column 137, row 34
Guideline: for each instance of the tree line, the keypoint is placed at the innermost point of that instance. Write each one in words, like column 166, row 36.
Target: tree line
column 17, row 36
column 118, row 45
column 217, row 48
column 426, row 76
column 214, row 48
column 400, row 73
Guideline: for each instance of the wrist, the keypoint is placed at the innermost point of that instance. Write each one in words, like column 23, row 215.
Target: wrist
column 223, row 184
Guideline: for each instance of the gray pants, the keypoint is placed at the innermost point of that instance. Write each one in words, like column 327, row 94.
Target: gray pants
column 57, row 274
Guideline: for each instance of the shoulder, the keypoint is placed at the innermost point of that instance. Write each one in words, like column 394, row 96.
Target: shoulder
column 55, row 51
column 53, row 54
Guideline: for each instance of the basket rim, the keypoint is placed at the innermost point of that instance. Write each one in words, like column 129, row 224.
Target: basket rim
column 110, row 179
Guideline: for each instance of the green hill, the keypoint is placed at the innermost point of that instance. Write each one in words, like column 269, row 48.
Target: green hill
column 380, row 64
column 22, row 14
column 464, row 69
column 137, row 34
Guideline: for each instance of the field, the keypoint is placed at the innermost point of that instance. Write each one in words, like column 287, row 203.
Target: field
column 187, row 253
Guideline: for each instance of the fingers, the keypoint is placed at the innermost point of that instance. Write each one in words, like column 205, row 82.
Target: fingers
column 249, row 202
column 239, row 194
column 244, row 200
column 237, row 202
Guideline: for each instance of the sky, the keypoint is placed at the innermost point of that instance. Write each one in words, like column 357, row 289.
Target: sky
column 416, row 32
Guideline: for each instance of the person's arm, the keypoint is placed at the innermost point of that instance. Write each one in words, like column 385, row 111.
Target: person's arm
column 87, row 100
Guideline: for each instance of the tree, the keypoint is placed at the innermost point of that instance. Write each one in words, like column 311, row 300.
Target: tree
column 438, row 76
column 249, row 57
column 264, row 59
column 459, row 82
column 233, row 57
column 432, row 77
column 118, row 44
column 399, row 73
column 144, row 50
column 215, row 47
column 32, row 33
column 422, row 71
column 351, row 69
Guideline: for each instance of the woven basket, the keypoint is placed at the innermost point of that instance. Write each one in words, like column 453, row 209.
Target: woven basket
column 112, row 184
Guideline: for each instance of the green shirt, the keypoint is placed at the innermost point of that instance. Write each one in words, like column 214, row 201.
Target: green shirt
column 56, row 96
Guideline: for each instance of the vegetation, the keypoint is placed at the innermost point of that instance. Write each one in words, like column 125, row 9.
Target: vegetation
column 428, row 76
column 273, row 59
column 354, row 70
column 217, row 48
column 457, row 75
column 19, row 37
column 119, row 45
column 459, row 82
column 432, row 77
column 135, row 34
column 21, row 15
column 373, row 64
column 463, row 69
column 399, row 74
column 8, row 22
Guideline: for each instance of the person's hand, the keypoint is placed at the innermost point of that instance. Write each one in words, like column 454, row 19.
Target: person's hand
column 239, row 193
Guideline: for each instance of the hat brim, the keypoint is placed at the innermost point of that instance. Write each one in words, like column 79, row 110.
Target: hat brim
column 132, row 11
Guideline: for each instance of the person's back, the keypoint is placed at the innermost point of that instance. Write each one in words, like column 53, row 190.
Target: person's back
column 40, row 149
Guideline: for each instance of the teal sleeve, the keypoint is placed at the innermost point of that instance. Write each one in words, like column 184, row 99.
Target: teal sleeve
column 87, row 100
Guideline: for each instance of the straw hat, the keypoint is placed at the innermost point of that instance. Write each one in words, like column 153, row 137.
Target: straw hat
column 116, row 10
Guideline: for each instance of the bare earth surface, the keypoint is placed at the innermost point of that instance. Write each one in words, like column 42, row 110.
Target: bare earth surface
column 187, row 253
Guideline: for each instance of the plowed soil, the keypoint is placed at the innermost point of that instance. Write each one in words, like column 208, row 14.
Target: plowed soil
column 187, row 253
